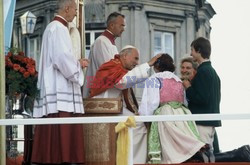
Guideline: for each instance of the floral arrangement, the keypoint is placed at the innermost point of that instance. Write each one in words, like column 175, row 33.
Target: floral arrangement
column 21, row 74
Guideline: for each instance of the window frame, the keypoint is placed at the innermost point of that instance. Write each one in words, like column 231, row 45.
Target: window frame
column 92, row 39
column 164, row 49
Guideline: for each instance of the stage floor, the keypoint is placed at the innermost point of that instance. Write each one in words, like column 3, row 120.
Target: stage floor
column 219, row 163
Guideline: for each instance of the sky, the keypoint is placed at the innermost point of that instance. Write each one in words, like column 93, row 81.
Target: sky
column 230, row 57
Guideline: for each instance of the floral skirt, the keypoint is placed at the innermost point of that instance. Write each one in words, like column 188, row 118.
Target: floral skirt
column 173, row 142
column 58, row 143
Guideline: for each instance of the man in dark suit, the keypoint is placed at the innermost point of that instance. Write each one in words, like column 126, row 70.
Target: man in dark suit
column 204, row 91
column 188, row 69
column 204, row 95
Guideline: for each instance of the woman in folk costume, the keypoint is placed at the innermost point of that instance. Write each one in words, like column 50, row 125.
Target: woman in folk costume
column 169, row 142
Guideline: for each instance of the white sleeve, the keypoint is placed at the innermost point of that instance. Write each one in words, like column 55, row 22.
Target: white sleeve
column 134, row 76
column 62, row 56
column 150, row 100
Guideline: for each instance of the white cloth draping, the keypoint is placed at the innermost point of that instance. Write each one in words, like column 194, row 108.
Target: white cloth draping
column 60, row 75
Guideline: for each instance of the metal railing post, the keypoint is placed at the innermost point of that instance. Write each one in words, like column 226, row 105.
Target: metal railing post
column 131, row 149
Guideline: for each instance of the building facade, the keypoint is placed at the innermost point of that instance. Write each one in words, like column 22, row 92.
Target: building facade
column 44, row 11
column 152, row 26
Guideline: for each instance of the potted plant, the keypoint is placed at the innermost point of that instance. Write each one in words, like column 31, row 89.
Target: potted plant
column 21, row 80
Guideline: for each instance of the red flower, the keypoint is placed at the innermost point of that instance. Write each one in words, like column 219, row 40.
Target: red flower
column 26, row 74
column 10, row 64
column 20, row 73
column 22, row 70
column 16, row 67
column 33, row 62
column 32, row 71
column 9, row 54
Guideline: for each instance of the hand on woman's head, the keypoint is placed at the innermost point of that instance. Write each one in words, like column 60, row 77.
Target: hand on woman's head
column 154, row 59
column 165, row 63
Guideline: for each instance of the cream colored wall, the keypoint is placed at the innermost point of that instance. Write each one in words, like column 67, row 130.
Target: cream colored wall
column 2, row 87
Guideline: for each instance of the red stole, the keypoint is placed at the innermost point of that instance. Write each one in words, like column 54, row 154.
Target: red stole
column 65, row 23
column 109, row 74
column 109, row 36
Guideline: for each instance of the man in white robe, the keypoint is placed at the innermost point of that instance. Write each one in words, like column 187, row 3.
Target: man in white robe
column 60, row 78
column 104, row 48
column 124, row 69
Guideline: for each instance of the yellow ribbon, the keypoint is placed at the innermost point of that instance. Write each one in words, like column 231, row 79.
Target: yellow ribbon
column 123, row 141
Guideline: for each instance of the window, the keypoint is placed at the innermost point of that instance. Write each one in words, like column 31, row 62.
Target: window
column 164, row 43
column 34, row 50
column 90, row 39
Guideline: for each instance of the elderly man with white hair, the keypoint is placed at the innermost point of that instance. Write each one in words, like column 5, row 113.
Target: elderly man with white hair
column 60, row 78
column 113, row 79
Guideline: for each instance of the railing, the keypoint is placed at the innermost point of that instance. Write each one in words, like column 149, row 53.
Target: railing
column 117, row 119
